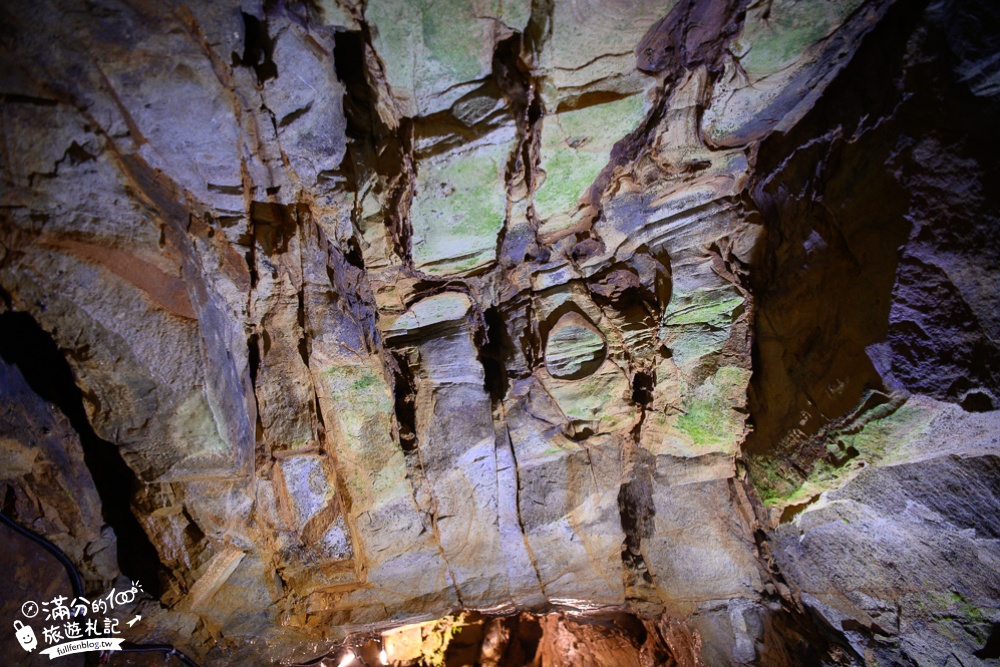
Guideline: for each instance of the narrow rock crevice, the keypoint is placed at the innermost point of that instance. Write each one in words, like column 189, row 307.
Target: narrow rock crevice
column 262, row 453
column 379, row 157
column 494, row 353
column 351, row 290
column 517, row 503
column 642, row 388
column 300, row 318
column 636, row 508
column 258, row 49
column 519, row 83
column 405, row 407
column 404, row 391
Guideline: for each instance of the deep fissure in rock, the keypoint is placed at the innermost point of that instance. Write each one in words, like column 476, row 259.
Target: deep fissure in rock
column 378, row 157
column 405, row 403
column 637, row 512
column 258, row 49
column 494, row 354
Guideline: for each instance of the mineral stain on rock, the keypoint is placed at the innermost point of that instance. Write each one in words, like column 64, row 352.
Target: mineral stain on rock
column 514, row 333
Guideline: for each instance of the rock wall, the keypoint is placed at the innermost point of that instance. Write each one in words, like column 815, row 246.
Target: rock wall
column 379, row 311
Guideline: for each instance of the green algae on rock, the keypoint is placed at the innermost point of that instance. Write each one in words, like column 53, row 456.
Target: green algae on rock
column 460, row 206
column 576, row 145
column 436, row 52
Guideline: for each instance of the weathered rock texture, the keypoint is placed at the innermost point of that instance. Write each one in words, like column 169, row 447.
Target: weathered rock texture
column 376, row 311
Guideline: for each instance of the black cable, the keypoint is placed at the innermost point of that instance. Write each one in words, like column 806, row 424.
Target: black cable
column 74, row 576
column 77, row 585
column 155, row 648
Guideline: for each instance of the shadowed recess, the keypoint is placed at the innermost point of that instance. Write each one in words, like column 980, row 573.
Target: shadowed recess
column 32, row 350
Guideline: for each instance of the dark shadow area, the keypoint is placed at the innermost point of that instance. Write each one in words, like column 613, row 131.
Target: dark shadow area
column 835, row 219
column 25, row 344
column 258, row 49
column 405, row 402
column 875, row 209
column 636, row 511
column 48, row 578
column 494, row 353
column 991, row 650
column 642, row 388
column 379, row 159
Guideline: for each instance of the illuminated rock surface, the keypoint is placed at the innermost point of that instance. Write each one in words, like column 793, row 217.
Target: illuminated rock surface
column 358, row 314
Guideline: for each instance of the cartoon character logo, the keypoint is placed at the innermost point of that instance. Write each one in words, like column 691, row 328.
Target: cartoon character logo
column 25, row 636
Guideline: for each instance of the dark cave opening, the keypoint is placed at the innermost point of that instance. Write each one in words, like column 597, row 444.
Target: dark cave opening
column 991, row 649
column 977, row 401
column 25, row 344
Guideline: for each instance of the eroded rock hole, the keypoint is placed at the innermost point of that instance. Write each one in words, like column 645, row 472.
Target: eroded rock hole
column 574, row 346
column 990, row 650
column 353, row 255
column 642, row 388
column 977, row 401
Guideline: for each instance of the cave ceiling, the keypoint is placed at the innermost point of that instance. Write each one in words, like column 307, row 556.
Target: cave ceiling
column 322, row 318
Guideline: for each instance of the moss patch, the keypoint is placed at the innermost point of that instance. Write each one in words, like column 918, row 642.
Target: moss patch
column 792, row 26
column 601, row 397
column 568, row 175
column 880, row 440
column 364, row 382
column 459, row 210
column 575, row 147
column 697, row 324
column 361, row 407
column 710, row 419
column 430, row 47
column 714, row 308
column 359, row 395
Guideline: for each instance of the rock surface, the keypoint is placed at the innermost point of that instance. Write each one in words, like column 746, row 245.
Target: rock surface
column 379, row 311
